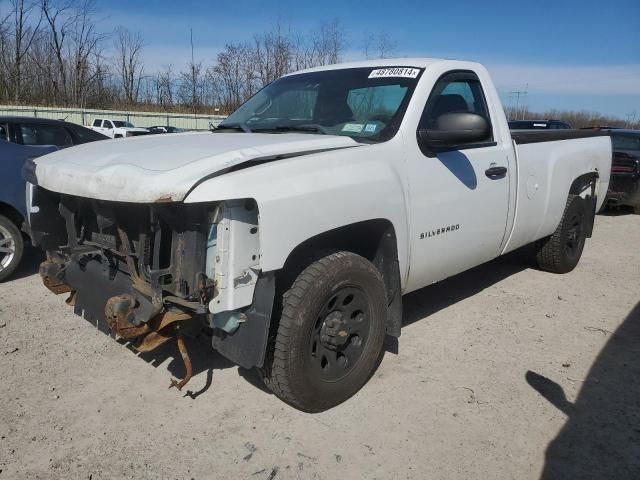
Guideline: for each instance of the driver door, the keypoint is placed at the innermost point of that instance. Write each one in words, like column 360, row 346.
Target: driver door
column 458, row 207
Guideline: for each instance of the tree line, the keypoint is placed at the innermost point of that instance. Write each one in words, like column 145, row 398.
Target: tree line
column 577, row 119
column 53, row 53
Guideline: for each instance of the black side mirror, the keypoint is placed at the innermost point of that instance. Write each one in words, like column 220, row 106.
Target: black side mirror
column 455, row 129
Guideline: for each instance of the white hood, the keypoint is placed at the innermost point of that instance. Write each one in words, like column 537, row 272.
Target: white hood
column 157, row 168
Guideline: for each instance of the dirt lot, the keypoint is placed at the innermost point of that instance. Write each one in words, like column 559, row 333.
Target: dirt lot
column 503, row 372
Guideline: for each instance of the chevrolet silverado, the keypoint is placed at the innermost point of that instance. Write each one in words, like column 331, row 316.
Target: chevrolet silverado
column 290, row 233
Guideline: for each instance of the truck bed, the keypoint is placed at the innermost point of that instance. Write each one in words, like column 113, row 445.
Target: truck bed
column 546, row 166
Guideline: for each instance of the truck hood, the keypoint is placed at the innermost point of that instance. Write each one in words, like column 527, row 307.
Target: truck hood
column 164, row 168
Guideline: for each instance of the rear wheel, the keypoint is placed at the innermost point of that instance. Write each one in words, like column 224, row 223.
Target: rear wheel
column 330, row 335
column 561, row 252
column 11, row 247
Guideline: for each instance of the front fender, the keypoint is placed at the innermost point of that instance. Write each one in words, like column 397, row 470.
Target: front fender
column 299, row 198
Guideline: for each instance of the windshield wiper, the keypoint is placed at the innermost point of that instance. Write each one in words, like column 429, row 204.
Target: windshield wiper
column 307, row 127
column 234, row 126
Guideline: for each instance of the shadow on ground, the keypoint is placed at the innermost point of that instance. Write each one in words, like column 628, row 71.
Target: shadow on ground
column 417, row 305
column 601, row 438
column 30, row 263
column 429, row 300
column 617, row 211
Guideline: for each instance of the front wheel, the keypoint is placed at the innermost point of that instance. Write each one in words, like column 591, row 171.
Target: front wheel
column 330, row 336
column 561, row 252
column 11, row 247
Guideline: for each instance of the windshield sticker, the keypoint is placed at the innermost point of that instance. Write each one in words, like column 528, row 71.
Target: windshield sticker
column 352, row 127
column 402, row 72
column 370, row 127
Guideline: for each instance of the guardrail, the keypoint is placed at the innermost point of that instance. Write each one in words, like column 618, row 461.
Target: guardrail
column 139, row 119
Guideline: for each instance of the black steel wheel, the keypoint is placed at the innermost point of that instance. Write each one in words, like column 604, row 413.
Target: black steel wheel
column 561, row 252
column 330, row 334
column 340, row 334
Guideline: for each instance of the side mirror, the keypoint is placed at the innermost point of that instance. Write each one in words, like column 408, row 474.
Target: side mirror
column 455, row 129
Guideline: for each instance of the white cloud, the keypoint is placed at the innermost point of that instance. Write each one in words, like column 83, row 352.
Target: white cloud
column 591, row 80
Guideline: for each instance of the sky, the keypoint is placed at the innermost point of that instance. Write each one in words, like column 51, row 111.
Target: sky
column 565, row 54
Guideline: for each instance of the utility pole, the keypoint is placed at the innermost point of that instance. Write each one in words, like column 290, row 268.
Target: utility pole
column 518, row 94
column 193, row 76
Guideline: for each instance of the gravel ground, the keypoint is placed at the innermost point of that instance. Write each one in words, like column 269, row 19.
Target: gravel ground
column 503, row 372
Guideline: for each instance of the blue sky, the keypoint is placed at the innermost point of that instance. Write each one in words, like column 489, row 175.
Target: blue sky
column 566, row 53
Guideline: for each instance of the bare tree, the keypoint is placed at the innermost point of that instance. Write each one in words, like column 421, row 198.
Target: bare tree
column 128, row 62
column 328, row 43
column 23, row 24
column 380, row 45
column 273, row 53
column 164, row 87
column 234, row 70
column 59, row 21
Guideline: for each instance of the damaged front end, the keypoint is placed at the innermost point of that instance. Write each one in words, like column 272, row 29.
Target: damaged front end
column 150, row 273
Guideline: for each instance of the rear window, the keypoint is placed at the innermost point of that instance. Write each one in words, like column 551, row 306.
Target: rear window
column 84, row 135
column 97, row 122
column 35, row 134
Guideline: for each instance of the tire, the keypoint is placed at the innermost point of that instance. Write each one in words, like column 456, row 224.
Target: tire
column 636, row 210
column 11, row 247
column 561, row 252
column 329, row 339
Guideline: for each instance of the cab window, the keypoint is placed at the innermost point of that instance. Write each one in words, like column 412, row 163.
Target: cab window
column 456, row 92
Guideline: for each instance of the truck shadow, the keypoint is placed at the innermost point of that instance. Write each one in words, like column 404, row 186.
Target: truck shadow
column 203, row 359
column 617, row 211
column 429, row 300
column 601, row 438
column 417, row 305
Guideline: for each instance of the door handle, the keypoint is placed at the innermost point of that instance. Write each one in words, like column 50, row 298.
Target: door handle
column 495, row 172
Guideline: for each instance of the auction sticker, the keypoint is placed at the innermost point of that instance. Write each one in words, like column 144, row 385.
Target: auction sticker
column 402, row 72
column 352, row 127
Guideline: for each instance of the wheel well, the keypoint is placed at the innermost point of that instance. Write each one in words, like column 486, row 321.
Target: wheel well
column 580, row 186
column 12, row 214
column 583, row 182
column 374, row 240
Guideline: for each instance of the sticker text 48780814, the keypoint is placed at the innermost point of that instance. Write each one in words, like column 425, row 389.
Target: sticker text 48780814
column 402, row 72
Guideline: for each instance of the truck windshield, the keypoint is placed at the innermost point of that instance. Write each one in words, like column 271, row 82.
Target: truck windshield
column 364, row 103
column 121, row 124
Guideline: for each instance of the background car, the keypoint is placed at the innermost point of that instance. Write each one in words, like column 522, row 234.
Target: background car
column 624, row 186
column 538, row 125
column 163, row 129
column 22, row 138
column 117, row 128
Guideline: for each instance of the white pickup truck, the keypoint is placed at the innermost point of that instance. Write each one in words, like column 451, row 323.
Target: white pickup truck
column 290, row 233
column 117, row 128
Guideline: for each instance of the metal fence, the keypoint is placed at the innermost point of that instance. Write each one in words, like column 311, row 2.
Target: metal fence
column 139, row 119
